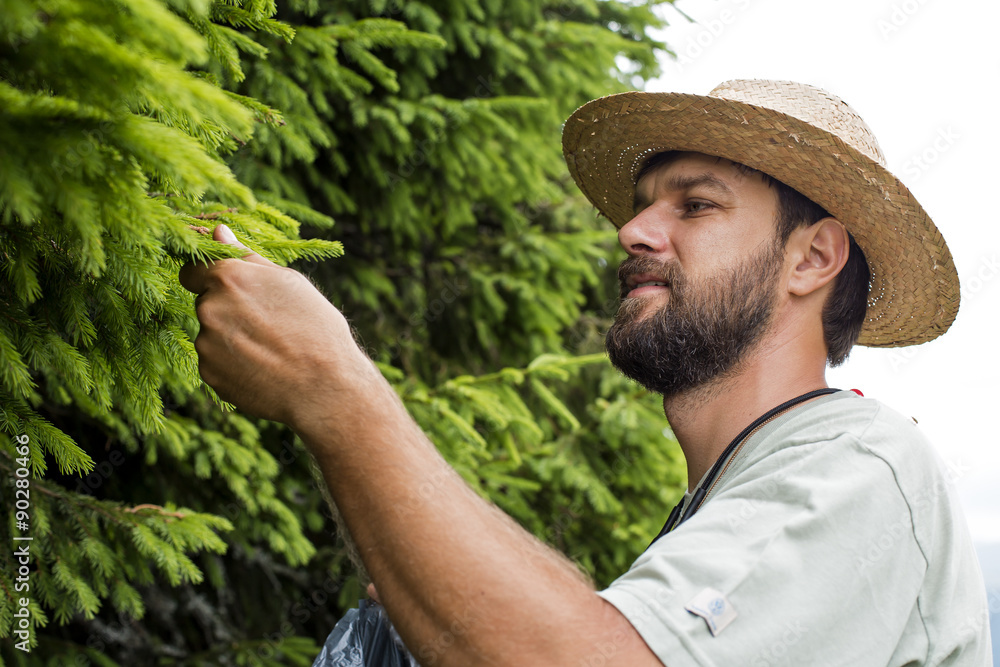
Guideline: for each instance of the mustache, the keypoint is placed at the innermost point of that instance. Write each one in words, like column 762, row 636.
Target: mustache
column 668, row 272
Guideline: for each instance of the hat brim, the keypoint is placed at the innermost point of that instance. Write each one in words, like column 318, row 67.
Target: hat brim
column 914, row 295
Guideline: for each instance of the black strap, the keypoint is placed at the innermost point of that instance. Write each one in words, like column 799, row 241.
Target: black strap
column 675, row 519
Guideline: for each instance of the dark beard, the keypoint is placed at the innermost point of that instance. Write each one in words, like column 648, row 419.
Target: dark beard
column 702, row 332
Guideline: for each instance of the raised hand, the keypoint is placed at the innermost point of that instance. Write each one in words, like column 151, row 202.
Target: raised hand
column 270, row 342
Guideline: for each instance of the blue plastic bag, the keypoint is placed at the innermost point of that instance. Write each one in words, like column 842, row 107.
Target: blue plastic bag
column 364, row 637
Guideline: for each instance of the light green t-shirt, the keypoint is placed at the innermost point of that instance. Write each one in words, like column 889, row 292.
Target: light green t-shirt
column 834, row 538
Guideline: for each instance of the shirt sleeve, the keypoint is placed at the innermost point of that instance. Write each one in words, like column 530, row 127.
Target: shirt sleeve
column 811, row 547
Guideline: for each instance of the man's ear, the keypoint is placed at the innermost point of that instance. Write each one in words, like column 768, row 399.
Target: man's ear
column 818, row 252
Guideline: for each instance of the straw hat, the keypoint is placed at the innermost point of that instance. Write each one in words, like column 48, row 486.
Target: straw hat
column 806, row 138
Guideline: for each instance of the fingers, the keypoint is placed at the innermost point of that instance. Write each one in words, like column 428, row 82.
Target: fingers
column 194, row 277
column 223, row 234
column 373, row 594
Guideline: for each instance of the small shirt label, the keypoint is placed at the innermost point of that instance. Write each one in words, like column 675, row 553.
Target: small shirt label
column 712, row 606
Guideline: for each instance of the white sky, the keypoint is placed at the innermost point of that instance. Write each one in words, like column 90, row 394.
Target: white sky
column 923, row 74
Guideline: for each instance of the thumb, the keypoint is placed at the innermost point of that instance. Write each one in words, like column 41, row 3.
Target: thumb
column 224, row 234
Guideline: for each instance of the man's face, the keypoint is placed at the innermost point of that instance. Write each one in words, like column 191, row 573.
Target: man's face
column 700, row 284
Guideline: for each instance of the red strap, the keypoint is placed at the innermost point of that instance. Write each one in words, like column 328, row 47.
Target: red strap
column 858, row 392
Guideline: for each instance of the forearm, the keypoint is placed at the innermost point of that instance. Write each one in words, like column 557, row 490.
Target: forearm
column 453, row 571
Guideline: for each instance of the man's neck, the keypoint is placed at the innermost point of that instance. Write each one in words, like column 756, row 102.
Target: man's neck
column 707, row 418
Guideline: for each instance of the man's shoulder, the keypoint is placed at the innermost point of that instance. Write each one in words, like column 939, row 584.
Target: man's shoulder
column 872, row 452
column 845, row 413
column 864, row 448
column 870, row 468
column 849, row 425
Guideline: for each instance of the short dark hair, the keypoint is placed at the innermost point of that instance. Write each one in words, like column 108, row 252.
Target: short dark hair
column 844, row 311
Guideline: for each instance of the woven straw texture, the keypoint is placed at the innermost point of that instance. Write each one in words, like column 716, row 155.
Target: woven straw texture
column 804, row 137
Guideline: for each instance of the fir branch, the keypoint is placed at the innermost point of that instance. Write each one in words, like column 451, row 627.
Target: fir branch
column 213, row 215
column 159, row 510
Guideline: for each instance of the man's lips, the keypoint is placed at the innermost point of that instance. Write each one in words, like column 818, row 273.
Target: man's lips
column 644, row 284
column 647, row 289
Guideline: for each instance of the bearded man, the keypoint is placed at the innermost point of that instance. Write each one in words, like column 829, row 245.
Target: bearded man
column 765, row 237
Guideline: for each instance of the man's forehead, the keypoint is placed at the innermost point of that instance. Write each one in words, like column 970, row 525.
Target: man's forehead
column 693, row 161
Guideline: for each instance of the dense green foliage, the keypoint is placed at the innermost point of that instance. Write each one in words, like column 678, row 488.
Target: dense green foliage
column 417, row 143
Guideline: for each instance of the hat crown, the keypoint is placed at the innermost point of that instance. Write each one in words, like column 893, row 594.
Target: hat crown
column 809, row 104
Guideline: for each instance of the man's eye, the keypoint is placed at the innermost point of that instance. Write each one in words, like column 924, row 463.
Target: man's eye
column 698, row 206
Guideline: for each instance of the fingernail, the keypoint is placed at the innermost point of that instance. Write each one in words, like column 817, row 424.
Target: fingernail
column 227, row 235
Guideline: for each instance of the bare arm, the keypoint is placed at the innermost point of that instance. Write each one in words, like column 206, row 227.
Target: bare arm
column 463, row 583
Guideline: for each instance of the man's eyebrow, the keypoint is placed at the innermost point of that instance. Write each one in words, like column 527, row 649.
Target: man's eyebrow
column 680, row 183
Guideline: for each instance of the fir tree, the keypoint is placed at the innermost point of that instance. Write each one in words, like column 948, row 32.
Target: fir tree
column 423, row 138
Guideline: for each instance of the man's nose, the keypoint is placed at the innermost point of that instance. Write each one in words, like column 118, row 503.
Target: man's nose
column 646, row 234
